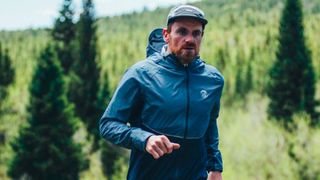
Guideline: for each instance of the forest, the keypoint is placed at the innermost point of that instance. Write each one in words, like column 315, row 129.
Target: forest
column 244, row 39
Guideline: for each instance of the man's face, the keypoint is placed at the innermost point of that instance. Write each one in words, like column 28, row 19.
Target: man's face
column 184, row 39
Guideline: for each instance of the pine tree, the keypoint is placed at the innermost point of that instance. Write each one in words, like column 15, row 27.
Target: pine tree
column 240, row 89
column 6, row 73
column 103, row 100
column 109, row 152
column 45, row 147
column 221, row 60
column 249, row 78
column 64, row 34
column 6, row 78
column 292, row 85
column 239, row 84
column 64, row 28
column 84, row 88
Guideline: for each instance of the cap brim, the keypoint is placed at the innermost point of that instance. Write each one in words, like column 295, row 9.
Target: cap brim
column 202, row 20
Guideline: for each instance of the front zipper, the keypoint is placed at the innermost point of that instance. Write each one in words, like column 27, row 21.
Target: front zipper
column 188, row 102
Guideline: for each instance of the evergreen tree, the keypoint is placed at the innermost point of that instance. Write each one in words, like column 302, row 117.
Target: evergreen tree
column 104, row 95
column 240, row 89
column 6, row 78
column 64, row 34
column 64, row 28
column 249, row 78
column 109, row 152
column 221, row 60
column 292, row 85
column 239, row 84
column 84, row 86
column 6, row 73
column 45, row 147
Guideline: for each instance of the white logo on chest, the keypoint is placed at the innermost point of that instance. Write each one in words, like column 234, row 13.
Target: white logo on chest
column 203, row 94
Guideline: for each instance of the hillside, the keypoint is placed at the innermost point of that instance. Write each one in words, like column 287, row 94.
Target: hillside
column 240, row 33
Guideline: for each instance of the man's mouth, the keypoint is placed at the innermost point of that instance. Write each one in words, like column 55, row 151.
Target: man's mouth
column 188, row 48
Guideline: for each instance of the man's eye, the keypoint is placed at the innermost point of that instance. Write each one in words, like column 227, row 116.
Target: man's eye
column 196, row 33
column 182, row 32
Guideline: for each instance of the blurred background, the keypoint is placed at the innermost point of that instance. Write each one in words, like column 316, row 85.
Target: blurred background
column 61, row 60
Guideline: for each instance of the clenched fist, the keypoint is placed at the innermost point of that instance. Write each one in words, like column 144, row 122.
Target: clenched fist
column 158, row 145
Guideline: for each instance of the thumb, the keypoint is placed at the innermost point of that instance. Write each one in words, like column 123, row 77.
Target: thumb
column 176, row 146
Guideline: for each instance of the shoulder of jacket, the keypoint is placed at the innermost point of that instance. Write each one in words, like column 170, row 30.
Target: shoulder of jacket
column 145, row 66
column 214, row 73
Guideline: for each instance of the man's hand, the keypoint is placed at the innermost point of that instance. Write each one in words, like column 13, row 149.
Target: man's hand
column 214, row 176
column 158, row 145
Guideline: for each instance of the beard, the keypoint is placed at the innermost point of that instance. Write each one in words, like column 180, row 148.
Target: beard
column 186, row 53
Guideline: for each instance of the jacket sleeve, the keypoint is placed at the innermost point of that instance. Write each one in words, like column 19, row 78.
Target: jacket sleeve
column 114, row 123
column 214, row 162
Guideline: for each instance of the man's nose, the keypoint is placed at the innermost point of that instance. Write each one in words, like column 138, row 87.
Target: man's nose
column 189, row 38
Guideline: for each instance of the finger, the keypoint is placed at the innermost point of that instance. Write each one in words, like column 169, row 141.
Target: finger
column 168, row 144
column 154, row 154
column 175, row 146
column 161, row 144
column 158, row 150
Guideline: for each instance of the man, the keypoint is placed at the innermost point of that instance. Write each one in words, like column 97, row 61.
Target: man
column 171, row 101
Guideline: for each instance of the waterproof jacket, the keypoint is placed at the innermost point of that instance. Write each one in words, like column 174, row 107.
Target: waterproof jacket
column 161, row 96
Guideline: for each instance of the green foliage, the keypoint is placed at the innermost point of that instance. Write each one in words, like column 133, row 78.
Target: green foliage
column 304, row 145
column 110, row 153
column 6, row 78
column 64, row 34
column 84, row 86
column 104, row 94
column 45, row 147
column 24, row 47
column 249, row 27
column 243, row 77
column 64, row 28
column 66, row 55
column 239, row 86
column 249, row 77
column 253, row 147
column 6, row 73
column 292, row 85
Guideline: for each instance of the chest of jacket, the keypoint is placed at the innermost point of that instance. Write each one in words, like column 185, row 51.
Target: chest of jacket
column 178, row 102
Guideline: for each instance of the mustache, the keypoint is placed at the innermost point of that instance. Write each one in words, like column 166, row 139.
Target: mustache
column 189, row 45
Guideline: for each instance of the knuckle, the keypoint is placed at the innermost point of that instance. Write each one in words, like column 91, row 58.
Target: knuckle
column 153, row 146
column 163, row 138
column 158, row 143
column 148, row 148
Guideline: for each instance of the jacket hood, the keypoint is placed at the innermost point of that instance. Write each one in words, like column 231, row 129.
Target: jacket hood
column 155, row 42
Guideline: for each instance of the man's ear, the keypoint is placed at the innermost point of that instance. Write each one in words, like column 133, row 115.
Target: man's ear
column 165, row 34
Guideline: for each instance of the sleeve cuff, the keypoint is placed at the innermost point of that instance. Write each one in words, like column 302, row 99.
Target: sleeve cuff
column 214, row 168
column 140, row 138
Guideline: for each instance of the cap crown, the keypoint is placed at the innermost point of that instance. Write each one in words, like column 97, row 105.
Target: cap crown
column 186, row 11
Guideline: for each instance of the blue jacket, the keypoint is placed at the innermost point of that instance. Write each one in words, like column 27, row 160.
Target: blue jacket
column 161, row 96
